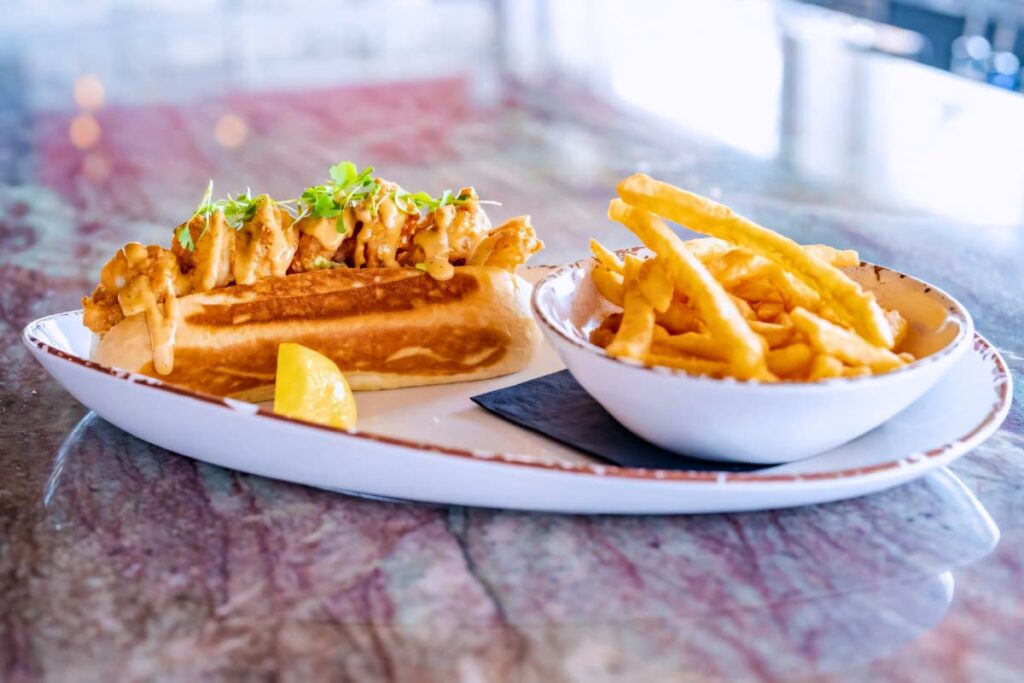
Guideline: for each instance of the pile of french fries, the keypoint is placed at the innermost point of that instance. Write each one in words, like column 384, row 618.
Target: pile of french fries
column 745, row 302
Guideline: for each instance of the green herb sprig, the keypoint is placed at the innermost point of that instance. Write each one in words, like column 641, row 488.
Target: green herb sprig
column 321, row 263
column 184, row 235
column 348, row 185
column 238, row 210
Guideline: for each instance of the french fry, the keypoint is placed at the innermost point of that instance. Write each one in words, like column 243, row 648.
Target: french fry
column 678, row 318
column 831, row 339
column 695, row 343
column 691, row 364
column 738, row 264
column 828, row 314
column 706, row 248
column 606, row 257
column 709, row 299
column 734, row 266
column 756, row 290
column 793, row 290
column 840, row 258
column 608, row 283
column 744, row 308
column 775, row 334
column 790, row 361
column 603, row 334
column 744, row 302
column 768, row 311
column 899, row 327
column 825, row 366
column 852, row 304
column 655, row 285
column 612, row 321
column 907, row 357
column 633, row 340
column 600, row 336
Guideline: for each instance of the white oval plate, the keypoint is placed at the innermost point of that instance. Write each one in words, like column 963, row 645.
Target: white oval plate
column 433, row 444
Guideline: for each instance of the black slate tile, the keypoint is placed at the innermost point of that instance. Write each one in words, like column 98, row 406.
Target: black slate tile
column 558, row 407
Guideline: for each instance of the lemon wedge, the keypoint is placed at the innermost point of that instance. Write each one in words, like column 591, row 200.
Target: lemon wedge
column 309, row 386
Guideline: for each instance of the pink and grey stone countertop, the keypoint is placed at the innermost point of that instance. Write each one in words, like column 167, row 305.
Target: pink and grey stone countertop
column 122, row 561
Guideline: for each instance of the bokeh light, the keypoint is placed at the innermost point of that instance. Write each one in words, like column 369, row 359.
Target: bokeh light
column 84, row 131
column 89, row 92
column 231, row 130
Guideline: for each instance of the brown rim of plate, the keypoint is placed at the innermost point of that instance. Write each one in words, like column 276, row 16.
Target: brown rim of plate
column 960, row 312
column 995, row 416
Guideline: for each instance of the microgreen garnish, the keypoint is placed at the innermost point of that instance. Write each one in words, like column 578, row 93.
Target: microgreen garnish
column 184, row 237
column 344, row 172
column 348, row 185
column 321, row 262
column 184, row 234
column 238, row 210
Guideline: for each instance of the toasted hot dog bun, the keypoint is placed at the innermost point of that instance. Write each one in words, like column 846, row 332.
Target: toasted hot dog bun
column 384, row 327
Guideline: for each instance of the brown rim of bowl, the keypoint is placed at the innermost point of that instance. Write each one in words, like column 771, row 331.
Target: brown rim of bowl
column 998, row 411
column 961, row 312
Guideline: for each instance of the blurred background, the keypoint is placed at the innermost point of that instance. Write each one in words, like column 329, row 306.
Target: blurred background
column 906, row 109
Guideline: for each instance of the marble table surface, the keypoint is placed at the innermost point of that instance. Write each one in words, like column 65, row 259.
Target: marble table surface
column 122, row 561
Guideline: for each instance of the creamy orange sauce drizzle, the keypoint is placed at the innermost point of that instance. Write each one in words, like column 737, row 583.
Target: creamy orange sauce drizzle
column 265, row 246
column 390, row 218
column 283, row 243
column 435, row 245
column 161, row 319
column 325, row 230
column 359, row 257
column 379, row 236
column 246, row 246
column 163, row 327
column 214, row 250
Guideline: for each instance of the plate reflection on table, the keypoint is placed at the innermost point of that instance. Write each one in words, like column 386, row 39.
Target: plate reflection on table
column 761, row 594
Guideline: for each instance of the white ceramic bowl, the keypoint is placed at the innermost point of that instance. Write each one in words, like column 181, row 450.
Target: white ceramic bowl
column 731, row 420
